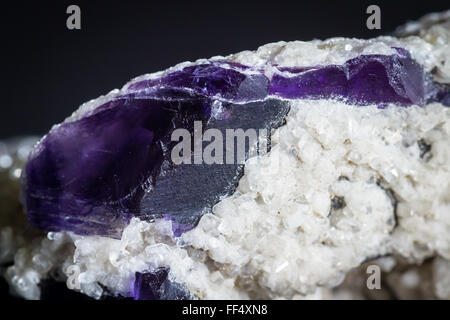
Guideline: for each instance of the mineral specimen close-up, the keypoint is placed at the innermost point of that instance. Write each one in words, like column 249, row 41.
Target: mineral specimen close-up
column 278, row 173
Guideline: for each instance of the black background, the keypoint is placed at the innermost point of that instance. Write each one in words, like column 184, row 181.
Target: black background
column 47, row 71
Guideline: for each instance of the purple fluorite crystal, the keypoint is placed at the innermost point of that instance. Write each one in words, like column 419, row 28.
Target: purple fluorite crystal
column 367, row 79
column 155, row 285
column 212, row 80
column 93, row 174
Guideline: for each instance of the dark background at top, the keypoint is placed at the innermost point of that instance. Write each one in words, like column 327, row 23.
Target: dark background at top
column 48, row 71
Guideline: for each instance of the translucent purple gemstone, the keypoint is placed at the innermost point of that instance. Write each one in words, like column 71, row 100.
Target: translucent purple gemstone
column 92, row 175
column 211, row 80
column 367, row 79
column 85, row 172
column 156, row 286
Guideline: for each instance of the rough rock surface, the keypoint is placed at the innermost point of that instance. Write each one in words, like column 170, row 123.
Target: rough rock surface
column 358, row 168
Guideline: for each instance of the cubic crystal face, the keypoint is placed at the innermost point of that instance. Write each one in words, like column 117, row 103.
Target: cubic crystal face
column 156, row 286
column 120, row 166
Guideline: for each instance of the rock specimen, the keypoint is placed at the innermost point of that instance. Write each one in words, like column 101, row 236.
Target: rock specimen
column 121, row 165
column 354, row 164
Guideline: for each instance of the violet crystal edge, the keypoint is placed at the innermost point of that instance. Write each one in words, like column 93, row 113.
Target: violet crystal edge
column 107, row 172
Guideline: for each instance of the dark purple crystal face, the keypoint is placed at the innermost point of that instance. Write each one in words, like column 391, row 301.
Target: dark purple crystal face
column 367, row 79
column 212, row 79
column 155, row 285
column 88, row 176
column 93, row 174
column 443, row 94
